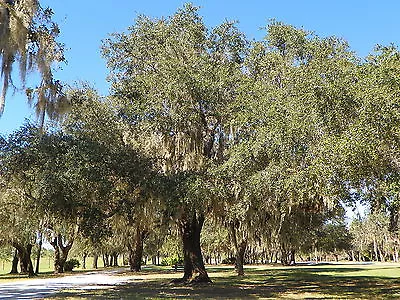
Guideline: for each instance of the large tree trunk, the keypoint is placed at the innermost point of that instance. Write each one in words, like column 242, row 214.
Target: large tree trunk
column 240, row 249
column 115, row 255
column 95, row 261
column 57, row 263
column 239, row 262
column 136, row 252
column 105, row 260
column 60, row 253
column 22, row 263
column 240, row 258
column 190, row 228
column 84, row 260
column 24, row 255
column 292, row 257
column 287, row 256
column 111, row 260
column 14, row 263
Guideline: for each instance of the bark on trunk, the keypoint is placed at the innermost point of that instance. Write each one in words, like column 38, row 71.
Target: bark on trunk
column 22, row 263
column 57, row 263
column 381, row 255
column 105, row 260
column 240, row 249
column 95, row 261
column 136, row 252
column 111, row 260
column 39, row 252
column 190, row 229
column 60, row 253
column 24, row 255
column 292, row 258
column 84, row 260
column 240, row 258
column 375, row 251
column 115, row 255
column 14, row 264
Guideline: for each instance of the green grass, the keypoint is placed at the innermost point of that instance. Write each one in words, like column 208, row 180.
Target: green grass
column 46, row 265
column 46, row 270
column 345, row 281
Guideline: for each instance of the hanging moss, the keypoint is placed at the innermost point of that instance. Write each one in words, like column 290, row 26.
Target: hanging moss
column 28, row 39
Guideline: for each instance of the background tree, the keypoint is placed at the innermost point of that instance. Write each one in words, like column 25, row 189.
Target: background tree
column 335, row 239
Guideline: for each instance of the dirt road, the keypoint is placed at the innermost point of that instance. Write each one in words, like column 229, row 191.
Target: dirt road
column 40, row 288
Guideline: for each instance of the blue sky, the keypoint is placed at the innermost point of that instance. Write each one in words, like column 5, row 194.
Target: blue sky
column 85, row 23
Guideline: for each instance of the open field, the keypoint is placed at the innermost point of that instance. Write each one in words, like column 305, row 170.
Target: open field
column 329, row 281
column 46, row 270
column 46, row 265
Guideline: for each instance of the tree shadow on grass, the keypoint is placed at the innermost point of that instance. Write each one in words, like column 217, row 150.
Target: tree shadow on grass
column 275, row 284
column 310, row 281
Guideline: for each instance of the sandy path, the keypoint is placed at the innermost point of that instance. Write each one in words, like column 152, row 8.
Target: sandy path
column 40, row 288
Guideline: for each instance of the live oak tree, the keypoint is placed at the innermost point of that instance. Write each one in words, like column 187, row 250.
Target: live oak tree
column 364, row 155
column 57, row 179
column 335, row 238
column 376, row 133
column 29, row 41
column 172, row 80
column 128, row 196
column 18, row 227
column 372, row 238
column 20, row 217
column 298, row 91
column 24, row 159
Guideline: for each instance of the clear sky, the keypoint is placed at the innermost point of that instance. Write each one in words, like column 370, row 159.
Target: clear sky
column 85, row 23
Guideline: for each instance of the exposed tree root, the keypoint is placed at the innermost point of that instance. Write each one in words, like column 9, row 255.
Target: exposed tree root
column 194, row 281
column 200, row 279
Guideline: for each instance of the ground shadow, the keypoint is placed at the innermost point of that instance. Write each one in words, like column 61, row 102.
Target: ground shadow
column 260, row 283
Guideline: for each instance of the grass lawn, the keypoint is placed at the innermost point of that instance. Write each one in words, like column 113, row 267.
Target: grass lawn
column 330, row 281
column 46, row 270
column 46, row 267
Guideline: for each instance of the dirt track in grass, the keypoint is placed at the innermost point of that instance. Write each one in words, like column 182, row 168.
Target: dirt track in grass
column 38, row 288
